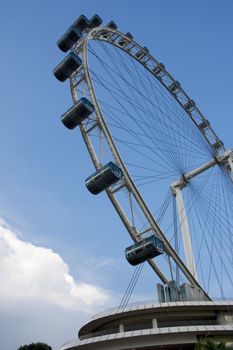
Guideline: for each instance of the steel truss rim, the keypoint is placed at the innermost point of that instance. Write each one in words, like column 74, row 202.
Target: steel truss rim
column 95, row 35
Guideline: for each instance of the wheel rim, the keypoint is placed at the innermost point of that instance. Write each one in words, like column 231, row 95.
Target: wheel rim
column 99, row 124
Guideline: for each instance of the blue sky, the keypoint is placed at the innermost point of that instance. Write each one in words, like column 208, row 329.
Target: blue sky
column 43, row 197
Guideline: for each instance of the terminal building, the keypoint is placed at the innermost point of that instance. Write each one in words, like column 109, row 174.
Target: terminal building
column 167, row 325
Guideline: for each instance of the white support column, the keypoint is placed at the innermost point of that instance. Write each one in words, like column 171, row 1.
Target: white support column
column 121, row 328
column 154, row 323
column 177, row 187
column 185, row 233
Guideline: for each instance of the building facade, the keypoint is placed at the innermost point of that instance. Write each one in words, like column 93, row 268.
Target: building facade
column 174, row 325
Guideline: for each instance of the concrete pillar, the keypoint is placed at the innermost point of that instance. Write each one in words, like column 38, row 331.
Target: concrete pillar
column 121, row 327
column 154, row 323
column 225, row 319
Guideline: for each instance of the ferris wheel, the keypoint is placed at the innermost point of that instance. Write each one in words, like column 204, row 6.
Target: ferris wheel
column 162, row 165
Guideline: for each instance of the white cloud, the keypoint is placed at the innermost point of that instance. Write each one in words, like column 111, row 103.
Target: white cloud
column 35, row 278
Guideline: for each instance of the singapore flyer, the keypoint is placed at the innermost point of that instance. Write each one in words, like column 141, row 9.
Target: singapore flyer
column 163, row 167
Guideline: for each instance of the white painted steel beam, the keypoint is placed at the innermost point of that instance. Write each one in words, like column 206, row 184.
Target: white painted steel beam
column 177, row 187
column 185, row 233
column 226, row 156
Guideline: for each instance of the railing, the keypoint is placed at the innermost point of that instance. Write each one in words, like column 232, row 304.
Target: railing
column 155, row 302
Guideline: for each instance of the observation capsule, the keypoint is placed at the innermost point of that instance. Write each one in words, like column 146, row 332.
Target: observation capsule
column 142, row 52
column 81, row 23
column 158, row 70
column 108, row 175
column 112, row 25
column 174, row 88
column 95, row 21
column 204, row 125
column 67, row 66
column 190, row 106
column 77, row 113
column 124, row 41
column 71, row 36
column 145, row 249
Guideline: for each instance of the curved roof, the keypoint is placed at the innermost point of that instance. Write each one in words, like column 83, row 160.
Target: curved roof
column 153, row 337
column 140, row 309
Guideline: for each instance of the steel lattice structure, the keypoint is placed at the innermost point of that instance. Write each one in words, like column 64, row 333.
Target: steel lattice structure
column 81, row 83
